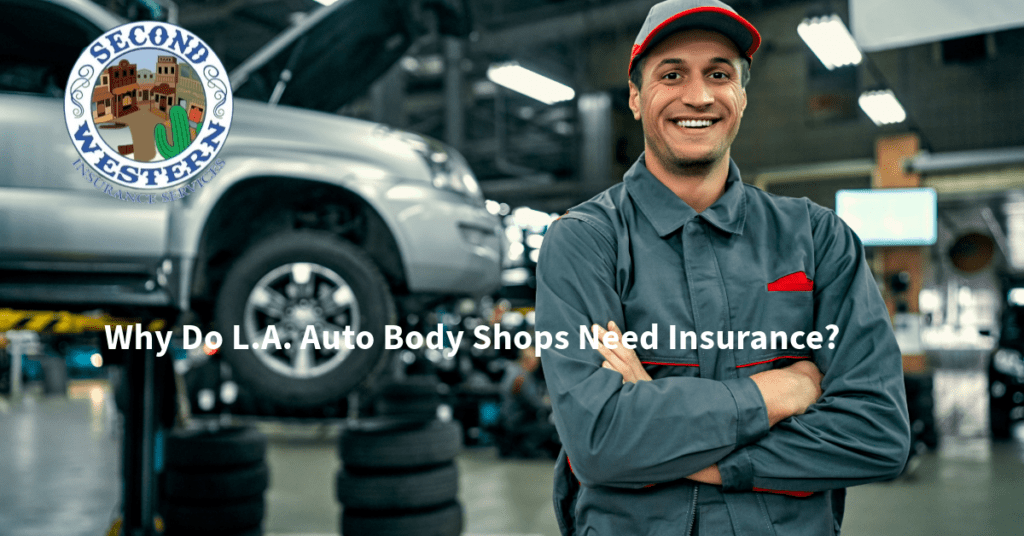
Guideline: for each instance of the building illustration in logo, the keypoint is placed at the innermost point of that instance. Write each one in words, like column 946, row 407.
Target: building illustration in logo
column 145, row 78
column 102, row 100
column 148, row 106
column 141, row 102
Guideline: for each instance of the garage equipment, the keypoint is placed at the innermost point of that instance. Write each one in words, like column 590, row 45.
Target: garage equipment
column 142, row 376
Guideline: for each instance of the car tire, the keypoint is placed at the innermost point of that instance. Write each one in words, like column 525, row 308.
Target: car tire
column 213, row 518
column 224, row 447
column 400, row 491
column 256, row 531
column 228, row 485
column 402, row 445
column 999, row 421
column 335, row 284
column 442, row 521
column 413, row 398
column 409, row 408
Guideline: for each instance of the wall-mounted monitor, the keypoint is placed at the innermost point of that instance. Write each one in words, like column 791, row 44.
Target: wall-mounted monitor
column 896, row 217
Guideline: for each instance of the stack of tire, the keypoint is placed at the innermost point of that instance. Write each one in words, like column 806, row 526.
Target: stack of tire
column 213, row 482
column 399, row 478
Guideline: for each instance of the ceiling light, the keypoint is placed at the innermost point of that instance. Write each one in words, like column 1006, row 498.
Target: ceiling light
column 326, row 2
column 882, row 107
column 830, row 41
column 520, row 79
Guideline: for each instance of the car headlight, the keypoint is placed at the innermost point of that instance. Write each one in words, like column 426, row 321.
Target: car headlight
column 1009, row 362
column 453, row 173
column 448, row 169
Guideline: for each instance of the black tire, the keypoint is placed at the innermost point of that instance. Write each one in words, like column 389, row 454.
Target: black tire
column 216, row 485
column 402, row 491
column 257, row 531
column 414, row 409
column 414, row 398
column 999, row 421
column 443, row 521
column 327, row 253
column 401, row 446
column 224, row 447
column 220, row 517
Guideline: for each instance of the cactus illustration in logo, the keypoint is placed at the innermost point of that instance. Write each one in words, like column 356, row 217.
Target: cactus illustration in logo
column 179, row 133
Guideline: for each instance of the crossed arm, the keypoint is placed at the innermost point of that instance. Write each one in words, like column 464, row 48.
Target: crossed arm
column 786, row 391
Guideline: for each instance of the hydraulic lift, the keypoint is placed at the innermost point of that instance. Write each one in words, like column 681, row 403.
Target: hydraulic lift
column 143, row 381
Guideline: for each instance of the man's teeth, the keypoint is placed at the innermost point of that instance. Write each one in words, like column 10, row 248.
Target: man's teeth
column 694, row 123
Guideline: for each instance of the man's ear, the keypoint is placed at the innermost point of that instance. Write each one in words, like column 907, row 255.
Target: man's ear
column 634, row 100
column 743, row 95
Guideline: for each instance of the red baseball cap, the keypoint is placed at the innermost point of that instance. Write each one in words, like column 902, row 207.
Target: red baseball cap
column 671, row 16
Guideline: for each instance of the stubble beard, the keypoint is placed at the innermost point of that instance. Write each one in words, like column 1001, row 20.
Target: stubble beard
column 672, row 163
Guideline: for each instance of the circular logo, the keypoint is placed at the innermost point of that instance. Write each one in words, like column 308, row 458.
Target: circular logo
column 148, row 105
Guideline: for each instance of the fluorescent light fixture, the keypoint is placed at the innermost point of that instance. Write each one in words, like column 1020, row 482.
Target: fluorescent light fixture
column 830, row 41
column 326, row 2
column 882, row 107
column 520, row 79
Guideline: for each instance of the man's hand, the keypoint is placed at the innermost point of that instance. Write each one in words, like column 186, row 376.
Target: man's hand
column 789, row 391
column 621, row 359
column 708, row 475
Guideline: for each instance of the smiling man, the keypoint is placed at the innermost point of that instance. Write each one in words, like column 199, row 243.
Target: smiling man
column 722, row 440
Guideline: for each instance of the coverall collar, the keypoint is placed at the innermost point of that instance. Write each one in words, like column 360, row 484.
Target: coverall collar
column 667, row 213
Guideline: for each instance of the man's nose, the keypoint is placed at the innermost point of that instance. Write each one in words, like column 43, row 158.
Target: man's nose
column 697, row 94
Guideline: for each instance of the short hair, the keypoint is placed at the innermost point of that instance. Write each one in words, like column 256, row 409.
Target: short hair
column 636, row 75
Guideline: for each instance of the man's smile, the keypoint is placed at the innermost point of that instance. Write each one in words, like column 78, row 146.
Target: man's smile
column 695, row 123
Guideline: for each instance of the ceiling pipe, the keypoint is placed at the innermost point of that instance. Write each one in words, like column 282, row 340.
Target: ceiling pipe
column 928, row 163
column 621, row 16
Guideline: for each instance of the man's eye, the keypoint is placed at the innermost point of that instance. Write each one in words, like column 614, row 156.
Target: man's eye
column 671, row 76
column 720, row 75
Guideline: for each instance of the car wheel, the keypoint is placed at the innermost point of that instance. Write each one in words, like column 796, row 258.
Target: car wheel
column 287, row 284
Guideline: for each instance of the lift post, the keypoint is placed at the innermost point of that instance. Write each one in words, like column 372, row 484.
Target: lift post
column 141, row 380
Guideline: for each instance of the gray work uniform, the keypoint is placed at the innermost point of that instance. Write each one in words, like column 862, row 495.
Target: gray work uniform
column 640, row 256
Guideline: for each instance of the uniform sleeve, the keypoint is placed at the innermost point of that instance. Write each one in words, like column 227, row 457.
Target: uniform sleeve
column 626, row 435
column 858, row 431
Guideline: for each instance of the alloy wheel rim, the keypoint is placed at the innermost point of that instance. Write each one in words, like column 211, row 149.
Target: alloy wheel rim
column 292, row 298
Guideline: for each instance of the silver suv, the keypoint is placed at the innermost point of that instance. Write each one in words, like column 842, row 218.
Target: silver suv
column 314, row 219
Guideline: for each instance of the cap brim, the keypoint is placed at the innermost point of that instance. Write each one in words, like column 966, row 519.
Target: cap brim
column 736, row 28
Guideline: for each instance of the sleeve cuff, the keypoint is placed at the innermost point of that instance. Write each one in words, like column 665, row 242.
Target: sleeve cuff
column 751, row 413
column 737, row 471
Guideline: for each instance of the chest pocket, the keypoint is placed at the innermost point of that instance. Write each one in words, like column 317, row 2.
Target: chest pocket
column 786, row 317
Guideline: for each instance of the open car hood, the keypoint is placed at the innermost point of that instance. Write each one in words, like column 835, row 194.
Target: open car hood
column 335, row 52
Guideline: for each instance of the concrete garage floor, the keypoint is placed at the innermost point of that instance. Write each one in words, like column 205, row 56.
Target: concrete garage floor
column 59, row 477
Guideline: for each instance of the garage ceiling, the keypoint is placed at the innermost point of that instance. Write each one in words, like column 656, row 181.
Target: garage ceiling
column 798, row 113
